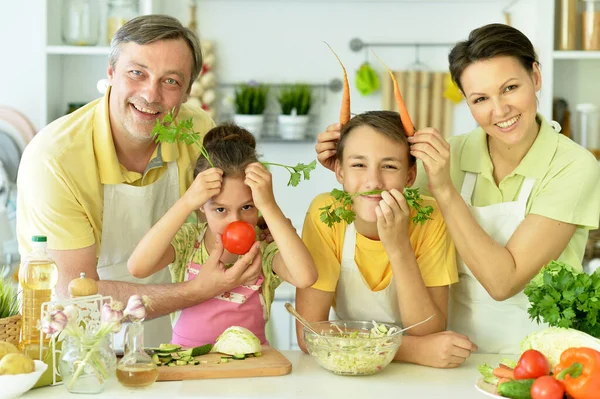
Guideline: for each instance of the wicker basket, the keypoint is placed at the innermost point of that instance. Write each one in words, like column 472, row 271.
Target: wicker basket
column 10, row 329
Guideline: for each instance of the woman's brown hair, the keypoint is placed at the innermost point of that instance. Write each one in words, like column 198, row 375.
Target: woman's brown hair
column 387, row 123
column 230, row 148
column 489, row 41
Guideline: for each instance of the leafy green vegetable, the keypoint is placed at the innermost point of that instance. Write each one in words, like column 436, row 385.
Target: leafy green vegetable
column 169, row 132
column 553, row 341
column 561, row 297
column 341, row 208
column 237, row 341
column 9, row 300
column 487, row 372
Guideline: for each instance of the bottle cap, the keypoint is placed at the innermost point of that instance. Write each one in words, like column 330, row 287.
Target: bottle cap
column 39, row 239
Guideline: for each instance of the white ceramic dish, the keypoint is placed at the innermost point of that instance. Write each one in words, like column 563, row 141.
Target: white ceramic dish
column 488, row 390
column 16, row 385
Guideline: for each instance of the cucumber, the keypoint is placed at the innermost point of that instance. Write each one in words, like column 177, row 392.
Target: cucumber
column 238, row 357
column 167, row 348
column 516, row 389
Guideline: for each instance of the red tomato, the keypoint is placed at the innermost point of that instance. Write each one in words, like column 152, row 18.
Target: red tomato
column 547, row 387
column 531, row 364
column 238, row 237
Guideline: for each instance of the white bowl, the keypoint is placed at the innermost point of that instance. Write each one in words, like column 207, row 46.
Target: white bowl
column 15, row 385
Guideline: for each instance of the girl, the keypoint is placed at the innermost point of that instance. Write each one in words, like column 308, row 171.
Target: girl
column 236, row 189
column 383, row 266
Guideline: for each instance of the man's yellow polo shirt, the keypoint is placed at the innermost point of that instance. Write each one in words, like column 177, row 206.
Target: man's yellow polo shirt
column 431, row 242
column 567, row 186
column 63, row 170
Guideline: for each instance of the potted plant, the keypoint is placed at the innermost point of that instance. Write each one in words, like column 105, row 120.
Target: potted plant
column 10, row 320
column 295, row 102
column 250, row 104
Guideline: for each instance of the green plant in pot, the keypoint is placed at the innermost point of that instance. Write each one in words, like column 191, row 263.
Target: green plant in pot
column 9, row 310
column 250, row 103
column 295, row 102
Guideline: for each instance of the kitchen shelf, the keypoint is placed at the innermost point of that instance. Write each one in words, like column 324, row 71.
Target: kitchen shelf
column 78, row 50
column 576, row 55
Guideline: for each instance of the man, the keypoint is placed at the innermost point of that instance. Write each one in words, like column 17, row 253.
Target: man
column 95, row 181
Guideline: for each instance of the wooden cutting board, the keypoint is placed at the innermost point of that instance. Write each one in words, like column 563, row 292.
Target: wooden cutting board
column 271, row 363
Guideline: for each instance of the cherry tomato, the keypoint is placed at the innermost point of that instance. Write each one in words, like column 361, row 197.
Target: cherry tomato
column 531, row 364
column 547, row 387
column 238, row 237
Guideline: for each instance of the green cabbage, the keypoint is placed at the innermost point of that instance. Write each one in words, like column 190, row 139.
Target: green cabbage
column 237, row 341
column 553, row 341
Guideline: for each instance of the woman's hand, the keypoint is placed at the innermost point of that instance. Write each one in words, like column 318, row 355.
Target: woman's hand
column 429, row 146
column 326, row 145
column 445, row 349
column 259, row 179
column 205, row 186
column 393, row 215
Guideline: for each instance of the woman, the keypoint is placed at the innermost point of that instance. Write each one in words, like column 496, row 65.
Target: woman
column 513, row 192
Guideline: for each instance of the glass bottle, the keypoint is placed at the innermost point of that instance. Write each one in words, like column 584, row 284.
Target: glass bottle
column 80, row 22
column 119, row 12
column 136, row 369
column 591, row 25
column 86, row 363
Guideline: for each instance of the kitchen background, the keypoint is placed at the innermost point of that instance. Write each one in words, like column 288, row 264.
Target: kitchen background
column 278, row 42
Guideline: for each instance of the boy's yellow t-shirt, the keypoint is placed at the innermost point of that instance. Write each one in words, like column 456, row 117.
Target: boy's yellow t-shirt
column 431, row 242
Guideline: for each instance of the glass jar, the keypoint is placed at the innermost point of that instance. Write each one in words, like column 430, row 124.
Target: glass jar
column 567, row 25
column 86, row 364
column 587, row 132
column 136, row 369
column 119, row 12
column 80, row 22
column 590, row 28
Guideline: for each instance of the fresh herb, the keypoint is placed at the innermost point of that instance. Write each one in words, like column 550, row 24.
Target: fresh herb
column 297, row 97
column 251, row 99
column 296, row 172
column 169, row 132
column 9, row 299
column 561, row 297
column 341, row 208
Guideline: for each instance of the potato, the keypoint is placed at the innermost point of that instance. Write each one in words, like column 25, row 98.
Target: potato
column 6, row 348
column 16, row 363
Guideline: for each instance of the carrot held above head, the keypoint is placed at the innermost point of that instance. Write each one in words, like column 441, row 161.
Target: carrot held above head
column 406, row 122
column 345, row 110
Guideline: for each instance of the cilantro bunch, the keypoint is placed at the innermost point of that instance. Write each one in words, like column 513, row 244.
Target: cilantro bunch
column 561, row 297
column 169, row 131
column 341, row 209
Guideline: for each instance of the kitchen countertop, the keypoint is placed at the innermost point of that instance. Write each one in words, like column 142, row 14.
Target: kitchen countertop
column 309, row 380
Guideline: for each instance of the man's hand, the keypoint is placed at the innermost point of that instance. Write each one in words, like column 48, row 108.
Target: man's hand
column 326, row 146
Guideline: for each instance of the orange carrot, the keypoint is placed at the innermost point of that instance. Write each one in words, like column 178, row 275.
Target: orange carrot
column 504, row 372
column 345, row 110
column 406, row 122
column 503, row 380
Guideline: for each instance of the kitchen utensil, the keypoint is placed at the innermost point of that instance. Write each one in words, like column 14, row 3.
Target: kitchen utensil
column 272, row 363
column 302, row 320
column 416, row 324
column 587, row 132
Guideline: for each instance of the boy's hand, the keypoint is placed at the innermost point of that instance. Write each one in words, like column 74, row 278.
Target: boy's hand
column 259, row 179
column 327, row 144
column 445, row 349
column 393, row 215
column 205, row 186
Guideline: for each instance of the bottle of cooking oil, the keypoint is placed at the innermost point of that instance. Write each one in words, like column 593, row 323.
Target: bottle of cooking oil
column 38, row 276
column 136, row 369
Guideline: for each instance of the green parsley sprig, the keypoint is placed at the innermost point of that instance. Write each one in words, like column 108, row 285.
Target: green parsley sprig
column 168, row 131
column 341, row 209
column 562, row 297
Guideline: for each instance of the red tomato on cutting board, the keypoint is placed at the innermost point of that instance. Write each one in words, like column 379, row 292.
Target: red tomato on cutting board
column 238, row 237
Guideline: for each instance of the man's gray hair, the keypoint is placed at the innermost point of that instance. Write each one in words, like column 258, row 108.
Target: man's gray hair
column 147, row 29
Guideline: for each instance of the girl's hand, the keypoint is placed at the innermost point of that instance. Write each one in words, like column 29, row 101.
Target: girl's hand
column 326, row 145
column 205, row 186
column 393, row 215
column 445, row 349
column 429, row 146
column 259, row 179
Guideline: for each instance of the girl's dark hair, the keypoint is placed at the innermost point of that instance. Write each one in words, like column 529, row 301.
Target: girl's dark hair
column 230, row 148
column 387, row 123
column 491, row 41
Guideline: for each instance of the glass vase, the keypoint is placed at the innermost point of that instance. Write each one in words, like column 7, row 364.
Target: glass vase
column 86, row 364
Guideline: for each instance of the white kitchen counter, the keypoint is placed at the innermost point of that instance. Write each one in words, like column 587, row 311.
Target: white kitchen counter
column 309, row 380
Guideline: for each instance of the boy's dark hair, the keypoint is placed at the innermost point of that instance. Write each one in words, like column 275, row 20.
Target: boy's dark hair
column 489, row 41
column 230, row 148
column 387, row 123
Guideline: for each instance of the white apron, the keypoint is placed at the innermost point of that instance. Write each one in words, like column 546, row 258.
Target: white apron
column 129, row 213
column 496, row 327
column 354, row 298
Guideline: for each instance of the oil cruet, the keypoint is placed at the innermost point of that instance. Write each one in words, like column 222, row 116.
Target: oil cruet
column 136, row 369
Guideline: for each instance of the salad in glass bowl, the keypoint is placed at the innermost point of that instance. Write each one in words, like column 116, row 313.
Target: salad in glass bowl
column 353, row 347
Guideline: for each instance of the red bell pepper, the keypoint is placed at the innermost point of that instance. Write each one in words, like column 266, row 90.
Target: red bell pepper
column 579, row 371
